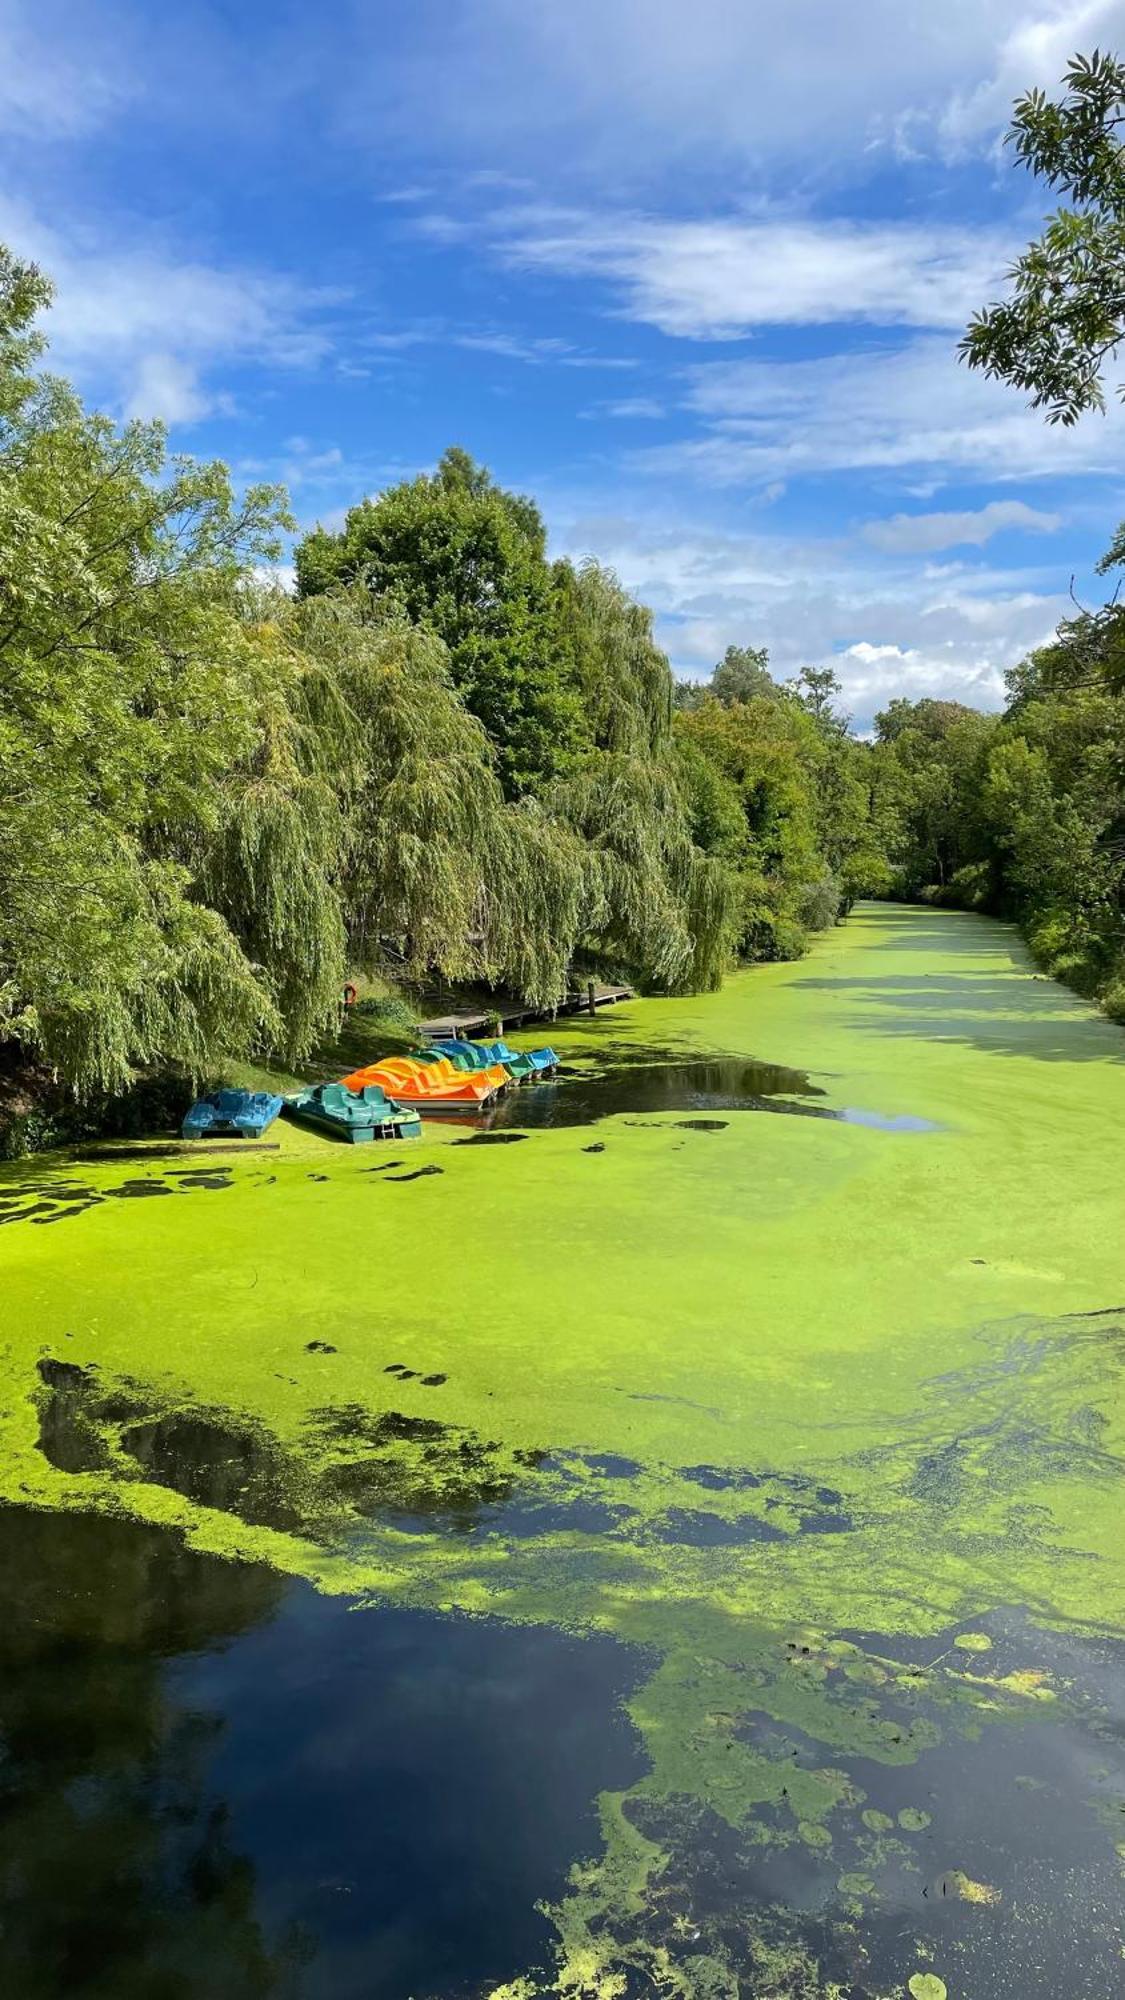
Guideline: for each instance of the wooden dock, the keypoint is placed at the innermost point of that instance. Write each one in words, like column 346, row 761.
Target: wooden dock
column 517, row 1014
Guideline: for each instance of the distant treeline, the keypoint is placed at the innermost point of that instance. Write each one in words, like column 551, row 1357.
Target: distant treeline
column 444, row 757
column 1023, row 815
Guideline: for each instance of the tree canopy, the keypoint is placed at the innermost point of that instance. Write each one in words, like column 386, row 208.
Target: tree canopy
column 135, row 714
column 1065, row 316
column 454, row 551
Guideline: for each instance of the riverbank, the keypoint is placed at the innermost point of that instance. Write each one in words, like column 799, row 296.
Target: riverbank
column 789, row 1381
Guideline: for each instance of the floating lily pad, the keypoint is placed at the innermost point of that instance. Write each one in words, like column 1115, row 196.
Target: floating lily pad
column 855, row 1885
column 878, row 1822
column 927, row 1986
column 865, row 1672
column 973, row 1642
column 813, row 1835
column 913, row 1819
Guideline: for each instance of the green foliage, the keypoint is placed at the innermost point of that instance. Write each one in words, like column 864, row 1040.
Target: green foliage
column 1066, row 313
column 933, row 763
column 1023, row 814
column 623, row 677
column 458, row 862
column 751, row 771
column 743, row 675
column 134, row 704
column 817, row 688
column 457, row 553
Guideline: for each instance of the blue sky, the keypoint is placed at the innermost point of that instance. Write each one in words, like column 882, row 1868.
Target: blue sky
column 692, row 272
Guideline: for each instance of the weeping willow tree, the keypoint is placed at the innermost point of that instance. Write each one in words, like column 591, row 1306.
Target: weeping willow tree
column 164, row 853
column 535, row 903
column 418, row 788
column 438, row 873
column 651, row 899
column 625, row 679
column 445, row 874
column 273, row 866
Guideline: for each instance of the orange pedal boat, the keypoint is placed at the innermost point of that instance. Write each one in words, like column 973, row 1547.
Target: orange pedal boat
column 432, row 1087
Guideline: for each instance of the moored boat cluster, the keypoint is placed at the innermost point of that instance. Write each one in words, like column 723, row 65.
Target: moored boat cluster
column 384, row 1100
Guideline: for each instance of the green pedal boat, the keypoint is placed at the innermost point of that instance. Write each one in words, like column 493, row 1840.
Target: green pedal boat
column 358, row 1116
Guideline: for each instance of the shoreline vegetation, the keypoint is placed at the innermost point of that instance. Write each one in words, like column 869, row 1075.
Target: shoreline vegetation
column 442, row 760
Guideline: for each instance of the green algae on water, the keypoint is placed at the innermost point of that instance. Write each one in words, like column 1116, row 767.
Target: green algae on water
column 798, row 1409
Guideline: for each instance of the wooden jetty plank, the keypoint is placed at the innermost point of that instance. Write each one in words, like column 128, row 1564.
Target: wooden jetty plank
column 516, row 1013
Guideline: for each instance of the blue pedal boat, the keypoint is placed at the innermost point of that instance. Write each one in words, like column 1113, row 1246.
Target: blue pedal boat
column 356, row 1116
column 245, row 1113
column 543, row 1061
column 520, row 1063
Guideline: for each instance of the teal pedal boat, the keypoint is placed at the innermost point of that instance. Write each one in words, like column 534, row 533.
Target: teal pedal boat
column 356, row 1116
column 520, row 1063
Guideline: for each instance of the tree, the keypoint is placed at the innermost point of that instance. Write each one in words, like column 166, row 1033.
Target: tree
column 1066, row 314
column 937, row 751
column 816, row 688
column 456, row 552
column 165, row 850
column 742, row 675
column 623, row 678
column 763, row 755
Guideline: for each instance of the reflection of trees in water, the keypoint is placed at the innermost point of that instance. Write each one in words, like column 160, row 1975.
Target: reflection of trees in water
column 117, row 1877
column 643, row 1080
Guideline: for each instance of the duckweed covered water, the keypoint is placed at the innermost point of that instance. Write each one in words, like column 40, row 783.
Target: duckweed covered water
column 712, row 1521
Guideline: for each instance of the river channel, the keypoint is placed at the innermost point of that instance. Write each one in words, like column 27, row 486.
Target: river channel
column 665, row 1540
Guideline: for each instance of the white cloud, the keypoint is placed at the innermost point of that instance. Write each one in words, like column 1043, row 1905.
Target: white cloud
column 282, row 576
column 538, row 350
column 826, row 603
column 911, row 408
column 167, row 388
column 720, row 278
column 923, row 534
column 52, row 83
column 133, row 321
column 628, row 409
column 1032, row 55
column 640, row 87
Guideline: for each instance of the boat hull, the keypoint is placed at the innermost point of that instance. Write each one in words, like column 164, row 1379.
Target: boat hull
column 416, row 1084
column 240, row 1114
column 358, row 1135
column 356, row 1123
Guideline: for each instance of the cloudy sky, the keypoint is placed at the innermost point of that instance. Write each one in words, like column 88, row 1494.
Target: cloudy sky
column 690, row 271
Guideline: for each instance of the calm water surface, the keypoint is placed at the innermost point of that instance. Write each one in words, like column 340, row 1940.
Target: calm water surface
column 634, row 1546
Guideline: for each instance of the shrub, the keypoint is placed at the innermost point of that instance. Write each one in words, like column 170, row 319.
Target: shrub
column 971, row 887
column 1113, row 1000
column 820, row 903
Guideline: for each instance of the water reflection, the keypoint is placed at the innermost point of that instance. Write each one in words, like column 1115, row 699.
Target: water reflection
column 216, row 1784
column 642, row 1081
column 646, row 1081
